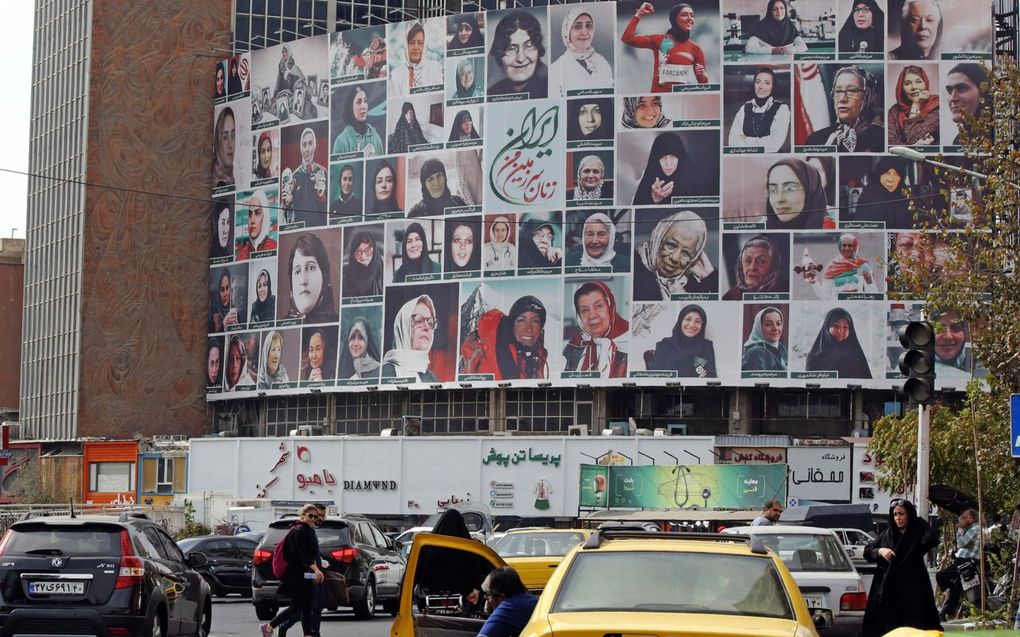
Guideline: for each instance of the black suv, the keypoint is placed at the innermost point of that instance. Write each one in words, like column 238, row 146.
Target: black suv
column 229, row 562
column 99, row 575
column 354, row 547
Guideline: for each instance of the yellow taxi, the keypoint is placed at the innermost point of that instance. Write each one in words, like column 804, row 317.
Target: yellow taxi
column 622, row 583
column 535, row 553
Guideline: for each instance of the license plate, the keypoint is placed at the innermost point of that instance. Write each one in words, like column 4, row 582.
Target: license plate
column 56, row 588
column 813, row 602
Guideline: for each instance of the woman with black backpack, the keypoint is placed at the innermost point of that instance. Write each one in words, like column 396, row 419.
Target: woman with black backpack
column 300, row 576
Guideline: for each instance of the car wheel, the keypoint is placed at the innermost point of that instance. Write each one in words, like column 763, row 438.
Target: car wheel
column 392, row 606
column 264, row 613
column 157, row 625
column 205, row 620
column 364, row 608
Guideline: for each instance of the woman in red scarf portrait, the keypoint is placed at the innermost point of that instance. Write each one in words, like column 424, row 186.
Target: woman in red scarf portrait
column 848, row 273
column 914, row 118
column 601, row 341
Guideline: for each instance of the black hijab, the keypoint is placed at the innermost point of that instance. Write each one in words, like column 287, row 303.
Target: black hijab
column 678, row 34
column 474, row 262
column 815, row 202
column 263, row 310
column 605, row 129
column 406, row 134
column 530, row 360
column 878, row 204
column 363, row 280
column 776, row 33
column 389, row 204
column 529, row 256
column 845, row 357
column 476, row 39
column 665, row 144
column 421, row 265
column 429, row 205
column 456, row 134
column 851, row 38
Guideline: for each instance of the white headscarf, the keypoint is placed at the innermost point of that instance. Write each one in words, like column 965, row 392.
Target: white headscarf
column 259, row 198
column 502, row 251
column 406, row 361
column 649, row 250
column 610, row 253
column 582, row 193
column 584, row 58
column 267, row 378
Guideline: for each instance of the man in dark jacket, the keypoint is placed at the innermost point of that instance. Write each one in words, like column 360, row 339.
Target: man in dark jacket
column 510, row 602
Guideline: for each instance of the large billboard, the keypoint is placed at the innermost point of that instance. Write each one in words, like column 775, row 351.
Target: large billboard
column 600, row 193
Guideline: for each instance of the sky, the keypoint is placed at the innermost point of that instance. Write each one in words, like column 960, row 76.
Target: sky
column 16, row 50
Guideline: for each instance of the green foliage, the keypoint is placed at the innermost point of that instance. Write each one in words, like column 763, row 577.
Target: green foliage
column 191, row 528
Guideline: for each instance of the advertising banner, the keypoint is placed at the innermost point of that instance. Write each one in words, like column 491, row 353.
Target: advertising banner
column 598, row 193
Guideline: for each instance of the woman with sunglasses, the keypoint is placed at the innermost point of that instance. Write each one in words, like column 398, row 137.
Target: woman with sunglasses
column 303, row 574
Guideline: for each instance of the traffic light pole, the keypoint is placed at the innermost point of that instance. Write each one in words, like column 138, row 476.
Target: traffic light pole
column 923, row 454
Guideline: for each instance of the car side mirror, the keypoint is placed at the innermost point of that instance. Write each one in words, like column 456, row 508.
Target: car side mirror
column 197, row 559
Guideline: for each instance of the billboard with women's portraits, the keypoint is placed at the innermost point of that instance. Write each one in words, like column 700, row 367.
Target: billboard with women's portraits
column 592, row 193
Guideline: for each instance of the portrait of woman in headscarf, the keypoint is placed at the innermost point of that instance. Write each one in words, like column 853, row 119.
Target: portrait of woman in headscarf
column 795, row 197
column 836, row 348
column 317, row 361
column 885, row 197
column 764, row 349
column 500, row 251
column 776, row 33
column 417, row 69
column 414, row 329
column 467, row 82
column 363, row 272
column 686, row 351
column 463, row 127
column 596, row 247
column 858, row 106
column 222, row 217
column 462, row 250
column 589, row 119
column 435, row 191
column 762, row 121
column 414, row 255
column 601, row 341
column 263, row 308
column 539, row 243
column 759, row 269
column 951, row 351
column 591, row 183
column 358, row 136
column 847, row 273
column 580, row 66
column 676, row 58
column 644, row 112
column 267, row 164
column 311, row 287
column 668, row 173
column 384, row 189
column 223, row 153
column 466, row 34
column 260, row 227
column 347, row 201
column 863, row 31
column 223, row 309
column 914, row 118
column 359, row 354
column 508, row 346
column 673, row 259
column 271, row 367
column 407, row 132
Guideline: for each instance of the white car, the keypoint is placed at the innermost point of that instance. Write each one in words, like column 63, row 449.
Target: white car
column 819, row 564
column 854, row 541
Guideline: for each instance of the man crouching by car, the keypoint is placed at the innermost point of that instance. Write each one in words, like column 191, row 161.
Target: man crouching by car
column 509, row 601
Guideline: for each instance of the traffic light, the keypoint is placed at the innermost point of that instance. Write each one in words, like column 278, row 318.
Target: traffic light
column 918, row 362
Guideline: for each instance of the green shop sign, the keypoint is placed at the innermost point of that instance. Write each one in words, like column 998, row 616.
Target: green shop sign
column 716, row 486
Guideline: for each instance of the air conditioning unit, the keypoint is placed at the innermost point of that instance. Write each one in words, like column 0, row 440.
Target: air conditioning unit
column 577, row 430
column 676, row 430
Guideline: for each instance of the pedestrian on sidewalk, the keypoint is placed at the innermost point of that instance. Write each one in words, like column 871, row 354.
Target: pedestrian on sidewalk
column 301, row 577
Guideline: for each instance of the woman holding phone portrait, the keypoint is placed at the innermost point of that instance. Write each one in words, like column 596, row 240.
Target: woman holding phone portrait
column 668, row 172
column 359, row 355
column 764, row 349
column 264, row 165
column 517, row 49
column 415, row 258
column 837, row 349
column 407, row 132
column 468, row 35
column 677, row 59
column 414, row 331
column 776, row 33
column 762, row 121
column 358, row 136
column 264, row 307
column 914, row 118
column 223, row 160
column 311, row 288
column 363, row 272
column 795, row 197
column 580, row 66
column 864, row 29
column 271, row 367
column 384, row 189
column 644, row 112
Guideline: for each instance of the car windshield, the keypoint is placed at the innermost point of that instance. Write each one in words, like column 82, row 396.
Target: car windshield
column 87, row 539
column 537, row 544
column 648, row 581
column 805, row 552
column 188, row 544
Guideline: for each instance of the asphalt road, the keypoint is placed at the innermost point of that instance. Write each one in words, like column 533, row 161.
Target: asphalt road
column 236, row 616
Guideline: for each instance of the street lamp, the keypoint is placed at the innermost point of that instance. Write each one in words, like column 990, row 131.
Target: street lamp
column 913, row 155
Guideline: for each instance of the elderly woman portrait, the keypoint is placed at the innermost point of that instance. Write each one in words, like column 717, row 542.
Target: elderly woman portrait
column 601, row 339
column 858, row 104
column 580, row 66
column 414, row 329
column 590, row 180
column 517, row 51
column 467, row 81
column 271, row 367
column 596, row 247
column 540, row 243
column 317, row 362
column 920, row 31
column 674, row 259
column 914, row 118
column 759, row 268
column 435, row 191
column 416, row 69
column 847, row 273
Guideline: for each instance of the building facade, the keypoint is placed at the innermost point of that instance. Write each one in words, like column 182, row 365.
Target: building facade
column 12, row 294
